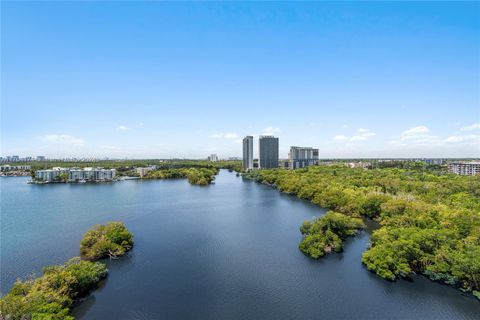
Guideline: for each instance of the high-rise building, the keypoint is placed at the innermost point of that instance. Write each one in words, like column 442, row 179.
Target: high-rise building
column 248, row 153
column 301, row 157
column 213, row 157
column 268, row 152
column 40, row 158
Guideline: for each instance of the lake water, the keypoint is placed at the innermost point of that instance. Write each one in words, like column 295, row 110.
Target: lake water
column 225, row 251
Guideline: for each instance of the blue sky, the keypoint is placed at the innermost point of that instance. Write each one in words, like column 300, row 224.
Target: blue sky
column 160, row 80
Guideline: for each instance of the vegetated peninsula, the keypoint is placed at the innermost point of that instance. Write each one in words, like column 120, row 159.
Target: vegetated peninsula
column 429, row 221
column 197, row 172
column 198, row 176
column 52, row 295
column 327, row 233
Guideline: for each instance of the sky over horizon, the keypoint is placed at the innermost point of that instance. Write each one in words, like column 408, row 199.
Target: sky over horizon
column 163, row 80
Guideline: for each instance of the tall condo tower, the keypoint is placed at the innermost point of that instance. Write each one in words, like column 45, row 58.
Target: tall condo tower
column 268, row 152
column 248, row 153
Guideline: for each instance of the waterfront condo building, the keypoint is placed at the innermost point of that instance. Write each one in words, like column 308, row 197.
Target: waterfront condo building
column 248, row 153
column 268, row 152
column 301, row 157
column 75, row 175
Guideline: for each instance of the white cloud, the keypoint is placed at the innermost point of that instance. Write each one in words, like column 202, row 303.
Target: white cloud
column 122, row 128
column 64, row 139
column 463, row 138
column 227, row 135
column 475, row 126
column 362, row 135
column 358, row 138
column 345, row 126
column 271, row 131
column 418, row 133
column 340, row 137
column 416, row 130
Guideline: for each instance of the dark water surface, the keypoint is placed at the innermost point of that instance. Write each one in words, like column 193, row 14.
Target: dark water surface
column 226, row 251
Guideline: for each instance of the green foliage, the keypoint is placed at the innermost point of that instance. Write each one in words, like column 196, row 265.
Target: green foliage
column 476, row 294
column 52, row 295
column 197, row 176
column 327, row 233
column 430, row 220
column 63, row 177
column 126, row 166
column 110, row 240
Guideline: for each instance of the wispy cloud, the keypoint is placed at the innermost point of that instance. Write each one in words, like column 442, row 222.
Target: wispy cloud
column 271, row 131
column 420, row 135
column 475, row 126
column 361, row 135
column 463, row 138
column 122, row 128
column 417, row 134
column 63, row 139
column 227, row 135
column 340, row 137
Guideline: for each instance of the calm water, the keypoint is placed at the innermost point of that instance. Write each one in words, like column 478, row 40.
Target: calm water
column 226, row 251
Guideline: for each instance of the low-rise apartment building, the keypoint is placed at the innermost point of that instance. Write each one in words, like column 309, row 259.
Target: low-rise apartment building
column 75, row 175
column 464, row 168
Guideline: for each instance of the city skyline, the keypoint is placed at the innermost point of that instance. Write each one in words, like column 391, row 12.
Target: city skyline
column 177, row 80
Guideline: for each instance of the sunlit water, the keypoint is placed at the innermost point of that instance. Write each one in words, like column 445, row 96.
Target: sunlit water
column 226, row 251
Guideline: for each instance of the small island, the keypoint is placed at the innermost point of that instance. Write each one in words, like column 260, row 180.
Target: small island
column 111, row 240
column 53, row 295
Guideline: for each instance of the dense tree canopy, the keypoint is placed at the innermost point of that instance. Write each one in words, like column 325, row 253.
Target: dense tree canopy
column 326, row 234
column 198, row 176
column 52, row 295
column 110, row 240
column 127, row 166
column 430, row 221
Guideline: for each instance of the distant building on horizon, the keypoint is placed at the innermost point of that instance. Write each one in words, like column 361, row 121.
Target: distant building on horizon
column 8, row 167
column 40, row 158
column 213, row 158
column 268, row 152
column 301, row 157
column 434, row 161
column 248, row 153
column 465, row 168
